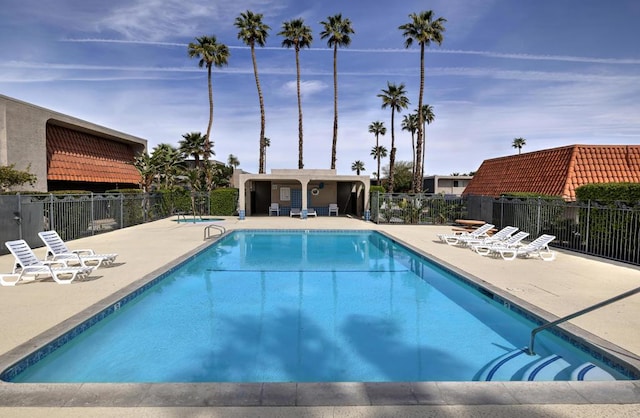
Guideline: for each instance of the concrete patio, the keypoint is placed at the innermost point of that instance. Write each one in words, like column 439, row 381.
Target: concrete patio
column 32, row 312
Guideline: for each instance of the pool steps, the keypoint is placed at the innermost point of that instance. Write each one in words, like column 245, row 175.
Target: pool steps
column 516, row 365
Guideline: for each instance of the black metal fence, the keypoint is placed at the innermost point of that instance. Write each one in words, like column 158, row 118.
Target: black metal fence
column 610, row 231
column 79, row 215
column 402, row 208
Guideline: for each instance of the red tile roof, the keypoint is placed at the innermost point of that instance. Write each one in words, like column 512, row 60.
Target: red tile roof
column 79, row 156
column 557, row 171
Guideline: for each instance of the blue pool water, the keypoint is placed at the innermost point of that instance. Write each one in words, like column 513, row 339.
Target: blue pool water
column 261, row 306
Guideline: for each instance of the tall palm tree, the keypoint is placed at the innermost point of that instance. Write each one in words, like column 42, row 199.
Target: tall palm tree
column 423, row 29
column 377, row 128
column 410, row 123
column 297, row 35
column 210, row 53
column 357, row 166
column 394, row 97
column 519, row 143
column 378, row 152
column 252, row 31
column 336, row 30
column 192, row 145
column 427, row 118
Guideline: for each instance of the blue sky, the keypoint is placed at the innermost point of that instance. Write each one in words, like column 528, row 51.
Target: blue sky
column 555, row 72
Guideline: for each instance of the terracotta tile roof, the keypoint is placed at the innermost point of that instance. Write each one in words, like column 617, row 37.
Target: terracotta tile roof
column 557, row 171
column 79, row 156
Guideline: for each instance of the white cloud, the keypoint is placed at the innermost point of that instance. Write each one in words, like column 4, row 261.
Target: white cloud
column 307, row 88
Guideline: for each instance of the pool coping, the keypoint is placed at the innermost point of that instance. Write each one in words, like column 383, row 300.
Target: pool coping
column 301, row 394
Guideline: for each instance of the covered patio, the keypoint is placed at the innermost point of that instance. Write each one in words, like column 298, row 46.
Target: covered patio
column 308, row 190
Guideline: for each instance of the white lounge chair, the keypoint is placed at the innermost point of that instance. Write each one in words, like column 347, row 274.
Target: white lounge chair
column 295, row 212
column 333, row 208
column 499, row 236
column 274, row 208
column 480, row 232
column 30, row 267
column 312, row 212
column 5, row 281
column 538, row 247
column 512, row 241
column 58, row 250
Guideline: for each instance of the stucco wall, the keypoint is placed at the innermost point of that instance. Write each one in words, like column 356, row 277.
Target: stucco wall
column 23, row 136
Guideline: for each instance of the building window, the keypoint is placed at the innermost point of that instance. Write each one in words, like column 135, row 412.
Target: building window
column 456, row 183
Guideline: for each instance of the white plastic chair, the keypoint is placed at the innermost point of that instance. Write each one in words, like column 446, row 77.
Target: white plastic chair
column 58, row 250
column 274, row 208
column 333, row 208
column 27, row 264
column 480, row 232
column 538, row 247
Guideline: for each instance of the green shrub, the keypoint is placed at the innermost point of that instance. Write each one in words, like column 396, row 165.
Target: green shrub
column 125, row 191
column 224, row 201
column 379, row 189
column 530, row 195
column 609, row 192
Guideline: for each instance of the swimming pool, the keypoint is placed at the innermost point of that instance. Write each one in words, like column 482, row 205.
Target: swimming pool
column 304, row 306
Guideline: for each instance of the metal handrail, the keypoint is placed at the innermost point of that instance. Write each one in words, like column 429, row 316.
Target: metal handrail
column 581, row 312
column 207, row 230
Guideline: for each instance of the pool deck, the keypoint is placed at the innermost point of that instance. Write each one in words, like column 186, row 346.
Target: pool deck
column 35, row 311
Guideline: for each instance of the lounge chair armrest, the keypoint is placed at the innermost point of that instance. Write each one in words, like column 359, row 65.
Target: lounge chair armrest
column 56, row 263
column 83, row 252
column 63, row 257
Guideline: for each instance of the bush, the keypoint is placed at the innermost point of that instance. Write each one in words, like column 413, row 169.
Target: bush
column 609, row 192
column 125, row 191
column 379, row 189
column 224, row 201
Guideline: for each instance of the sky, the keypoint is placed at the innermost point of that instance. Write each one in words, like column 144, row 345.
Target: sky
column 555, row 72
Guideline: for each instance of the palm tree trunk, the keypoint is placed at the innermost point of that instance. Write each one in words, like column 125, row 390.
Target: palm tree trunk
column 378, row 155
column 424, row 147
column 413, row 161
column 207, row 142
column 300, row 162
column 392, row 154
column 335, row 107
column 418, row 172
column 261, row 167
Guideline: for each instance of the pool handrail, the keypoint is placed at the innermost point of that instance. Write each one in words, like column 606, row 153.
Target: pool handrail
column 207, row 230
column 575, row 314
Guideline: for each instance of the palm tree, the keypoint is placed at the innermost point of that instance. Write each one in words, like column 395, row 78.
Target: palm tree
column 427, row 118
column 210, row 53
column 168, row 162
column 337, row 30
column 233, row 162
column 147, row 170
column 422, row 29
column 193, row 145
column 357, row 166
column 377, row 153
column 519, row 143
column 377, row 128
column 252, row 31
column 395, row 98
column 410, row 123
column 297, row 35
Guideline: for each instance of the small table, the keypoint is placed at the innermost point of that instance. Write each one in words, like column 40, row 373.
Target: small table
column 470, row 223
